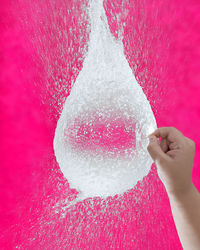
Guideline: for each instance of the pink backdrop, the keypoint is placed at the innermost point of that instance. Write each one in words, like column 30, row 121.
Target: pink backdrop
column 42, row 48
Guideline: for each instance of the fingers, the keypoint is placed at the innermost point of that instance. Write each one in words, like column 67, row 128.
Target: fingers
column 173, row 146
column 164, row 145
column 155, row 150
column 169, row 133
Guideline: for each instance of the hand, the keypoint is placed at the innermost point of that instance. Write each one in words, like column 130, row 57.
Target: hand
column 174, row 156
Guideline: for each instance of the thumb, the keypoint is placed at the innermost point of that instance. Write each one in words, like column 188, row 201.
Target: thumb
column 154, row 149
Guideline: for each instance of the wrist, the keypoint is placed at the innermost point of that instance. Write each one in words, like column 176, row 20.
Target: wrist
column 181, row 194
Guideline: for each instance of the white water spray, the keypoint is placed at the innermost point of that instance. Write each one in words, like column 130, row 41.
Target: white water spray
column 101, row 137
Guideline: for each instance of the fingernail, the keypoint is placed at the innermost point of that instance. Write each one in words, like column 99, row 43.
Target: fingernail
column 151, row 138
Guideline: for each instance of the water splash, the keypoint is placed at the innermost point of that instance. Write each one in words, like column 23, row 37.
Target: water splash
column 101, row 137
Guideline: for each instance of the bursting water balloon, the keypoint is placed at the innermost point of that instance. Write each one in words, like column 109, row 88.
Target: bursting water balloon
column 101, row 136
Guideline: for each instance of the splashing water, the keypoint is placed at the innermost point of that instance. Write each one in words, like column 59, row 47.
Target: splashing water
column 101, row 137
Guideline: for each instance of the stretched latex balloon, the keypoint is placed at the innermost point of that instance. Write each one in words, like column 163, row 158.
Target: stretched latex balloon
column 101, row 137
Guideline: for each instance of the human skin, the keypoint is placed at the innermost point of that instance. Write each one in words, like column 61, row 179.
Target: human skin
column 173, row 154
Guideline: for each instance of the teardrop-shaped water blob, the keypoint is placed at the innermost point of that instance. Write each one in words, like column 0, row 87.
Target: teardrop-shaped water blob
column 101, row 137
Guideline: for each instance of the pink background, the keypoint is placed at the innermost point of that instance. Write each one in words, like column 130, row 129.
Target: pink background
column 42, row 48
